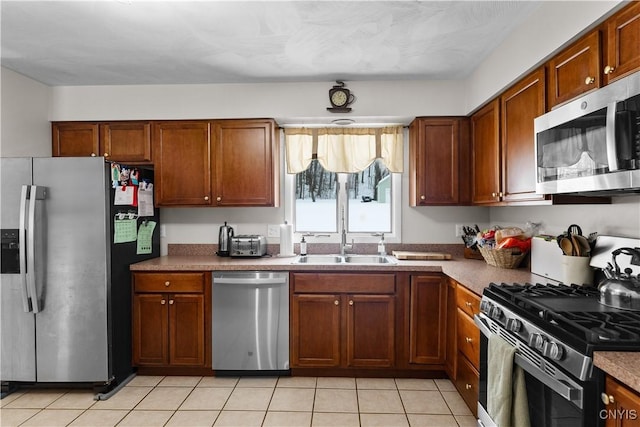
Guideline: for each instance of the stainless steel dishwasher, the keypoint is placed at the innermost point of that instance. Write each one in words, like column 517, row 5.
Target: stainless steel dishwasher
column 250, row 321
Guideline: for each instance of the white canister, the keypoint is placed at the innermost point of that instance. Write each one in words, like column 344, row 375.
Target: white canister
column 576, row 270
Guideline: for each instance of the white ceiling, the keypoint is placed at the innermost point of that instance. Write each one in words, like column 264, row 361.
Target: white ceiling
column 181, row 42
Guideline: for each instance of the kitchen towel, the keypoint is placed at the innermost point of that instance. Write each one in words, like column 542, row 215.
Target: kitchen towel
column 286, row 240
column 506, row 392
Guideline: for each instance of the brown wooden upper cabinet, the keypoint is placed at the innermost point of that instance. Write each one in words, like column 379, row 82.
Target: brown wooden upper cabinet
column 126, row 141
column 216, row 163
column 623, row 43
column 439, row 165
column 245, row 163
column 575, row 71
column 75, row 139
column 485, row 139
column 519, row 106
column 182, row 160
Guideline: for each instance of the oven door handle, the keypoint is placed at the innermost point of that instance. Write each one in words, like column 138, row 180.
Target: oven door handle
column 563, row 388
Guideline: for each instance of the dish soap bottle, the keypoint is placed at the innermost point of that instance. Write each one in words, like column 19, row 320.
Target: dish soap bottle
column 303, row 247
column 382, row 251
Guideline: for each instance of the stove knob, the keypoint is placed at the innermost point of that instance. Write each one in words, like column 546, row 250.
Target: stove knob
column 537, row 341
column 495, row 313
column 514, row 325
column 485, row 306
column 556, row 351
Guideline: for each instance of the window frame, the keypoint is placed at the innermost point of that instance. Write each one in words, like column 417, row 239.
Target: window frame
column 358, row 237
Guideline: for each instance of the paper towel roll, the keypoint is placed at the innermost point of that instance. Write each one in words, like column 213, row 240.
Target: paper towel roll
column 286, row 240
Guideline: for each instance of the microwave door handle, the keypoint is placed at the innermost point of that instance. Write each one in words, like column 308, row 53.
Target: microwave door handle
column 22, row 248
column 610, row 138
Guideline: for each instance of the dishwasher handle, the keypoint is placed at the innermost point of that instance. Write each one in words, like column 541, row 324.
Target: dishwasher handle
column 244, row 281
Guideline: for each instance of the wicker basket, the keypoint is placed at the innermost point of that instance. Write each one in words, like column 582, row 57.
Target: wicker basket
column 503, row 258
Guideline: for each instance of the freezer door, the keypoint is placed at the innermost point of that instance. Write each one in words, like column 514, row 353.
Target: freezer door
column 72, row 262
column 17, row 323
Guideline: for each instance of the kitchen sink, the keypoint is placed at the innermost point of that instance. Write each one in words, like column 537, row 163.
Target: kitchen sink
column 368, row 259
column 319, row 259
column 348, row 259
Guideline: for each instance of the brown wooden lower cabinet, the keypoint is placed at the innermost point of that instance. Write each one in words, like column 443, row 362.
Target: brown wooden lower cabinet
column 171, row 320
column 343, row 320
column 428, row 299
column 622, row 405
column 466, row 382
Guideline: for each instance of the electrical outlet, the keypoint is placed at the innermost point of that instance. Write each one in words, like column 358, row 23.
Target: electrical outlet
column 273, row 230
column 459, row 231
column 163, row 230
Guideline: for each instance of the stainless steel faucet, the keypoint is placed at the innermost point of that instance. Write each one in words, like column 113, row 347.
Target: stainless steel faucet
column 344, row 246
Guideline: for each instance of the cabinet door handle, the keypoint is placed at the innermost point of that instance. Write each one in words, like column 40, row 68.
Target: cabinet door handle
column 218, row 198
column 106, row 154
column 167, row 283
column 351, row 302
column 501, row 194
column 163, row 302
column 336, row 302
column 467, row 386
column 467, row 303
column 609, row 69
column 607, row 398
column 93, row 154
column 494, row 194
column 170, row 302
column 206, row 197
column 589, row 80
column 422, row 197
column 468, row 340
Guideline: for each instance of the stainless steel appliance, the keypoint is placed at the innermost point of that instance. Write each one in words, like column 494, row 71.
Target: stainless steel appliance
column 248, row 246
column 250, row 321
column 591, row 144
column 225, row 234
column 65, row 294
column 555, row 330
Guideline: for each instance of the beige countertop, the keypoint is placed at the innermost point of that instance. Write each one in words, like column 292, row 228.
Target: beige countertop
column 622, row 365
column 474, row 274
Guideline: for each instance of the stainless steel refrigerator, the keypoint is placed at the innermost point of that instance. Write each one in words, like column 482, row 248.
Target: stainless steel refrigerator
column 65, row 287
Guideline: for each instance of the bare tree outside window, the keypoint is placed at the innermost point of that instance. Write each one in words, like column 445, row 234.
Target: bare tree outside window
column 317, row 199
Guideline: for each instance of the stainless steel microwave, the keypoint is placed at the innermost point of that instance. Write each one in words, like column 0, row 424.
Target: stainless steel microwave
column 591, row 144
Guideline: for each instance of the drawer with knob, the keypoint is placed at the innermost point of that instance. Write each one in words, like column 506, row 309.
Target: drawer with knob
column 467, row 383
column 468, row 338
column 467, row 301
column 173, row 283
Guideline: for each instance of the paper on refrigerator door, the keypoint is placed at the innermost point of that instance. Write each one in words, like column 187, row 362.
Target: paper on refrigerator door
column 145, row 199
column 145, row 237
column 124, row 230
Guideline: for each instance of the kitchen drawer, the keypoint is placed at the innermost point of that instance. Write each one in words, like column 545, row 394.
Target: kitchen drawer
column 467, row 301
column 169, row 282
column 344, row 283
column 468, row 338
column 467, row 383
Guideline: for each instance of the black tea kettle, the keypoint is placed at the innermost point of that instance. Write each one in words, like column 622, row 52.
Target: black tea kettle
column 224, row 240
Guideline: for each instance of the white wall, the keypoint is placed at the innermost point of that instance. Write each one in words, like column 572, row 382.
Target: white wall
column 554, row 24
column 24, row 119
column 286, row 102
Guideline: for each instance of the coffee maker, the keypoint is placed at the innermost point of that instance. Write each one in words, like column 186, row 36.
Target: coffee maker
column 224, row 240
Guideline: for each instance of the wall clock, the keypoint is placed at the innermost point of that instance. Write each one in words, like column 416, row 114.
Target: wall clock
column 340, row 98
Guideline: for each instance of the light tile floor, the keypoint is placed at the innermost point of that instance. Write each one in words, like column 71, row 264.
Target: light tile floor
column 245, row 401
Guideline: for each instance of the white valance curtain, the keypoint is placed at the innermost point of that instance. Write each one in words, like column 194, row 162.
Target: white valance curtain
column 345, row 150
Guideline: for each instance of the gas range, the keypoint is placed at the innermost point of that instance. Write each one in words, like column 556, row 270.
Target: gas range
column 558, row 325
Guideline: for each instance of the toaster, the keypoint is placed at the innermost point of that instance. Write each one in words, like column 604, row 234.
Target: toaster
column 248, row 246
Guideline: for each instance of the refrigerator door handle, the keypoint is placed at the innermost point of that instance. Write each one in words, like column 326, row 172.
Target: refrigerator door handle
column 31, row 250
column 22, row 234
